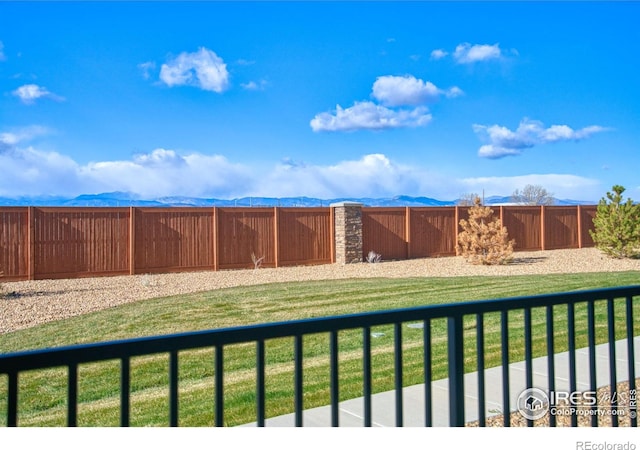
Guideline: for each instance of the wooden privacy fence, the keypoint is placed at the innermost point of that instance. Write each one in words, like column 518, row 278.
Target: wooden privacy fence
column 405, row 233
column 37, row 243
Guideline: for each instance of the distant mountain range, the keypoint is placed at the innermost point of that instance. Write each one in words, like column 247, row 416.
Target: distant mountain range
column 128, row 199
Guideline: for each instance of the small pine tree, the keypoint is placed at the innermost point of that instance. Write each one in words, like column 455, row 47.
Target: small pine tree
column 484, row 240
column 617, row 226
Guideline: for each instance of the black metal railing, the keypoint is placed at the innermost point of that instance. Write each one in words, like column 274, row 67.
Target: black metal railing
column 11, row 365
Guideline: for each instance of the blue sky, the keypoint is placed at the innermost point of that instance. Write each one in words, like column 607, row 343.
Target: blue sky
column 322, row 99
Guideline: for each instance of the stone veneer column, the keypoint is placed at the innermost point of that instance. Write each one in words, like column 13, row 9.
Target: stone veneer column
column 348, row 232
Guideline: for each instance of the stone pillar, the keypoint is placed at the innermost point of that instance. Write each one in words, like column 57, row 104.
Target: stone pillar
column 348, row 232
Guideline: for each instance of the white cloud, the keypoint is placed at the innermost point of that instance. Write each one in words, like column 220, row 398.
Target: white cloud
column 166, row 172
column 407, row 90
column 30, row 171
column 391, row 92
column 254, row 86
column 24, row 134
column 438, row 54
column 466, row 53
column 146, row 69
column 203, row 69
column 504, row 142
column 368, row 115
column 372, row 175
column 453, row 92
column 2, row 56
column 29, row 93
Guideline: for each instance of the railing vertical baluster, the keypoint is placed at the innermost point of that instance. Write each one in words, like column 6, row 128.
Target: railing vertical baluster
column 591, row 336
column 427, row 363
column 298, row 388
column 366, row 374
column 12, row 407
column 173, row 388
column 504, row 335
column 72, row 395
column 528, row 354
column 398, row 373
column 219, row 386
column 335, row 392
column 482, row 416
column 260, row 392
column 551, row 364
column 125, row 391
column 571, row 335
column 456, row 371
column 612, row 361
column 631, row 356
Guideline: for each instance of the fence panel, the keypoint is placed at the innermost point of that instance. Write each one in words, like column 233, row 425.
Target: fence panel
column 524, row 224
column 73, row 242
column 173, row 239
column 14, row 250
column 432, row 232
column 304, row 236
column 587, row 214
column 383, row 231
column 242, row 232
column 560, row 227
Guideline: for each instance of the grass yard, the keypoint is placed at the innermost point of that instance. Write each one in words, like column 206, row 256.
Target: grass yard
column 42, row 397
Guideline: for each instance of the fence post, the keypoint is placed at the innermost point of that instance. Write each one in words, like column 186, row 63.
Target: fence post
column 348, row 232
column 31, row 245
column 332, row 232
column 542, row 229
column 579, row 213
column 132, row 240
column 215, row 238
column 276, row 235
column 456, row 228
column 407, row 230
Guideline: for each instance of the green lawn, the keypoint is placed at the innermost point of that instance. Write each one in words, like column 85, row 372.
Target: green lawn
column 42, row 396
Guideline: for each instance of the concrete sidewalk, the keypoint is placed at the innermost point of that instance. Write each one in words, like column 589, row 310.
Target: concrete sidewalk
column 383, row 404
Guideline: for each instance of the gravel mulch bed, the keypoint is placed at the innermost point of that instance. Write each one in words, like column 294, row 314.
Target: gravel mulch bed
column 583, row 414
column 29, row 303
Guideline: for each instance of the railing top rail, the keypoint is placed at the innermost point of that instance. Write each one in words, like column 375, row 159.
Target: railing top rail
column 84, row 353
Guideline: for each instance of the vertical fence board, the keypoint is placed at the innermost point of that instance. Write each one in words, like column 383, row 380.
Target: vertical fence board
column 587, row 214
column 524, row 225
column 432, row 232
column 243, row 231
column 560, row 227
column 14, row 243
column 77, row 242
column 173, row 239
column 383, row 231
column 305, row 236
